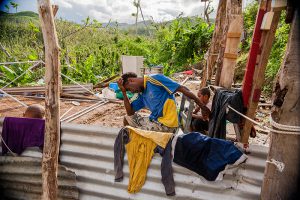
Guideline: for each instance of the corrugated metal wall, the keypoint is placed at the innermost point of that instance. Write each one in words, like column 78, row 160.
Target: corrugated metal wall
column 88, row 151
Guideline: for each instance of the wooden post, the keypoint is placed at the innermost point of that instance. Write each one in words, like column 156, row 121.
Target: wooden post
column 52, row 129
column 233, row 10
column 266, row 43
column 281, row 179
column 213, row 51
column 231, row 51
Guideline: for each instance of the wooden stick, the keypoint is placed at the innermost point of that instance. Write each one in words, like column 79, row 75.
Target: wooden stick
column 52, row 103
column 86, row 111
column 66, row 112
column 81, row 111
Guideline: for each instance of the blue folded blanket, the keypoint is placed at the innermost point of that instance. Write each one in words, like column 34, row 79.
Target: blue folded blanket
column 204, row 155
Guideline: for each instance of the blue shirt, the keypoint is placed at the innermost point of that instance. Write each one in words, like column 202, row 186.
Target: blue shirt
column 158, row 98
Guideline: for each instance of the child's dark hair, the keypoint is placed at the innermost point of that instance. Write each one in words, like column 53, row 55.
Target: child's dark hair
column 205, row 91
column 128, row 75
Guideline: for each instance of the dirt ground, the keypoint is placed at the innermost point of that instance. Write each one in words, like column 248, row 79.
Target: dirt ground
column 111, row 114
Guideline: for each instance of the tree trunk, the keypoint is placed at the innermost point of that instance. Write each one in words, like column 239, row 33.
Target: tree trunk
column 285, row 148
column 52, row 129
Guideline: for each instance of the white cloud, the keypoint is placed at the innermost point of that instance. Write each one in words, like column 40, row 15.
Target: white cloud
column 121, row 10
column 65, row 4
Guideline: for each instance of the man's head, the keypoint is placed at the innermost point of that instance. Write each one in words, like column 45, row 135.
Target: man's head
column 132, row 83
column 35, row 111
column 204, row 95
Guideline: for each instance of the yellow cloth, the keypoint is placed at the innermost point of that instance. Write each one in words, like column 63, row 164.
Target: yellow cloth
column 169, row 117
column 159, row 138
column 140, row 151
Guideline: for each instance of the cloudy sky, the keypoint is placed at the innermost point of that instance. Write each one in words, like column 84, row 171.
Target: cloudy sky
column 118, row 10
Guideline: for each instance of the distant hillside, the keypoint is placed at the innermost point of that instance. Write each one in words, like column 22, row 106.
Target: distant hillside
column 20, row 17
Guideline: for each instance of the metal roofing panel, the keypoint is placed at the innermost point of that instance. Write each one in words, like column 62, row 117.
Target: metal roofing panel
column 88, row 151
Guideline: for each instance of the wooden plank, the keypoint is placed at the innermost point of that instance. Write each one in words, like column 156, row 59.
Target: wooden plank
column 233, row 11
column 230, row 55
column 259, row 74
column 231, row 50
column 234, row 35
column 52, row 103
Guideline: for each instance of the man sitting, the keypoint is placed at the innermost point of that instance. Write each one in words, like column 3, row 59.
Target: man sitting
column 200, row 121
column 155, row 92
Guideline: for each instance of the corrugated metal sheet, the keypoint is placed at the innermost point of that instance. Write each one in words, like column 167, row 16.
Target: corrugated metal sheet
column 88, row 151
column 21, row 177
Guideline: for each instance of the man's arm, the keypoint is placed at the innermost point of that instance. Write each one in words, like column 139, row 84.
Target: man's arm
column 129, row 109
column 184, row 90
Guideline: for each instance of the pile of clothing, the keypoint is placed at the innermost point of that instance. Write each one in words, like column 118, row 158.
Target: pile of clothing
column 21, row 133
column 206, row 156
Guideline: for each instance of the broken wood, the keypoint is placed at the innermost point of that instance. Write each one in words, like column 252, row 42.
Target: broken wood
column 281, row 178
column 52, row 103
column 74, row 96
column 105, row 82
column 213, row 51
column 5, row 51
column 233, row 10
column 231, row 51
column 259, row 73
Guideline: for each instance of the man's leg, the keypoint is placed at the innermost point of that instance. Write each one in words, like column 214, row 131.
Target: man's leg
column 144, row 123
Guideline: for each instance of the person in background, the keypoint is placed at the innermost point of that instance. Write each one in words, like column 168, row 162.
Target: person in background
column 34, row 111
column 199, row 120
column 156, row 93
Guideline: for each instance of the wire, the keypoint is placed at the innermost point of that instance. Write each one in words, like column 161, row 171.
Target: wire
column 292, row 131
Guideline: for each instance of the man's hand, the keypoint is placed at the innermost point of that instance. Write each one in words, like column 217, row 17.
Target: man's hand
column 121, row 86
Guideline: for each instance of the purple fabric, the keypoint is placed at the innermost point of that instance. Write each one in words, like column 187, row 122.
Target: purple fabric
column 20, row 133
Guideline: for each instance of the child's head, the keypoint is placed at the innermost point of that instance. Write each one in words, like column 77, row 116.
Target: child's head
column 204, row 95
column 35, row 111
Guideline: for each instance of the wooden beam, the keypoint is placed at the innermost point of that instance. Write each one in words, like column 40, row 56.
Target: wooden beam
column 231, row 51
column 259, row 73
column 232, row 12
column 213, row 51
column 283, row 183
column 52, row 127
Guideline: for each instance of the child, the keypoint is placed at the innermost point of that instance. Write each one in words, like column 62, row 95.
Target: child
column 34, row 111
column 200, row 120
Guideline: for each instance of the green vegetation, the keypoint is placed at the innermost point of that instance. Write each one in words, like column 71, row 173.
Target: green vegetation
column 277, row 52
column 91, row 51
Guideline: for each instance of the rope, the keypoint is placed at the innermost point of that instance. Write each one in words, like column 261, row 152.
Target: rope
column 21, row 75
column 284, row 127
column 23, row 104
column 14, row 154
column 282, row 131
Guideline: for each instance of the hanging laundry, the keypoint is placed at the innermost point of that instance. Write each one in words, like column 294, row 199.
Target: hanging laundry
column 217, row 123
column 204, row 155
column 20, row 133
column 141, row 146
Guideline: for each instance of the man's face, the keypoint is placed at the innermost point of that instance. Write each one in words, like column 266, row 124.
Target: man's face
column 132, row 86
column 203, row 98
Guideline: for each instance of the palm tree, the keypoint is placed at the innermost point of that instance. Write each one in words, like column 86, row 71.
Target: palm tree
column 14, row 5
column 7, row 8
